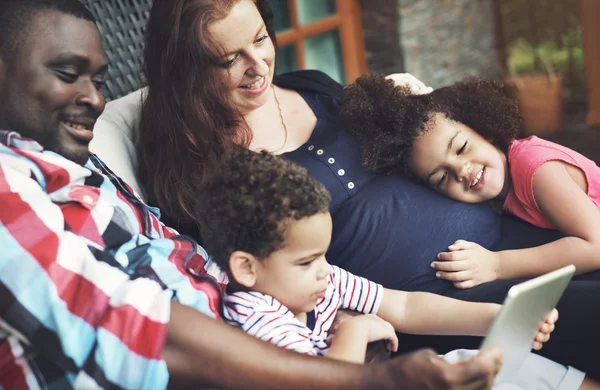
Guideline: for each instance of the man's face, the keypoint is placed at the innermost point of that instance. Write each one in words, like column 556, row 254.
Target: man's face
column 50, row 91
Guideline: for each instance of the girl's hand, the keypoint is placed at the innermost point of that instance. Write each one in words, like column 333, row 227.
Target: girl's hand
column 547, row 327
column 374, row 327
column 467, row 264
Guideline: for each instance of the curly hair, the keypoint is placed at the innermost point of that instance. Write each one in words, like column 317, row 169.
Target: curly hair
column 388, row 120
column 248, row 202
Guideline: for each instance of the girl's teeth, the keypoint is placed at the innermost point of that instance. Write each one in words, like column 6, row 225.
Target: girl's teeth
column 477, row 178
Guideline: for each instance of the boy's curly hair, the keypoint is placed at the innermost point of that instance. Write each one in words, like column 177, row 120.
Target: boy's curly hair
column 388, row 120
column 250, row 199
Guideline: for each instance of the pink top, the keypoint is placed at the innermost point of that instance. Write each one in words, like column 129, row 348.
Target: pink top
column 525, row 156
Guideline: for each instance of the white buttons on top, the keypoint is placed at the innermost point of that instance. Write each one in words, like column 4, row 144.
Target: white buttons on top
column 320, row 152
column 311, row 147
column 331, row 160
column 351, row 185
column 341, row 172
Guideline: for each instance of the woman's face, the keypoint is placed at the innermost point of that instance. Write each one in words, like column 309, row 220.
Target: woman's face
column 457, row 162
column 249, row 63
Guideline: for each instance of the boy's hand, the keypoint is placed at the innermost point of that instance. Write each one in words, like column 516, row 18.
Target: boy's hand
column 375, row 328
column 547, row 327
column 467, row 264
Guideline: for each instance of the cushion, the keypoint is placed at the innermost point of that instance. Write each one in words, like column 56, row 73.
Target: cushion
column 115, row 136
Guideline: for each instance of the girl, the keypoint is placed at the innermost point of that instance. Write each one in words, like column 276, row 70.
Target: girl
column 463, row 141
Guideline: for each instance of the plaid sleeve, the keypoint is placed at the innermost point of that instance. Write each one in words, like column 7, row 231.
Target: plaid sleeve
column 357, row 293
column 71, row 302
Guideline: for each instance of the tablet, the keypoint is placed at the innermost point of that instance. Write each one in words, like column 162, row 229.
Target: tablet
column 525, row 309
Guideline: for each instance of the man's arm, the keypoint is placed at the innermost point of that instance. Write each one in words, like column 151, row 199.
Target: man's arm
column 74, row 303
column 202, row 352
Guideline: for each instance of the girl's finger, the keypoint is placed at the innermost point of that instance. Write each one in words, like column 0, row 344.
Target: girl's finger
column 455, row 277
column 451, row 266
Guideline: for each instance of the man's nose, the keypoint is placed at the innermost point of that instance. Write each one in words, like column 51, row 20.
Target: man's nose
column 90, row 95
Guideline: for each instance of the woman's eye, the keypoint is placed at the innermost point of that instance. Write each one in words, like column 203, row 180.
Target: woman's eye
column 462, row 149
column 442, row 179
column 262, row 38
column 229, row 63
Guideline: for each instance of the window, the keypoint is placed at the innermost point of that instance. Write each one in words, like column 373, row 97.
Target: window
column 320, row 34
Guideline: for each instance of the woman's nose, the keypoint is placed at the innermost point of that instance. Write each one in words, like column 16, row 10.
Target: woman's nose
column 258, row 65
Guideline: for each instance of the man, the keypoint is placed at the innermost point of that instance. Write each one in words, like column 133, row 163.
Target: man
column 95, row 291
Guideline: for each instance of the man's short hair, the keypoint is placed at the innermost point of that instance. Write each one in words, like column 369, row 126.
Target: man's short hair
column 16, row 17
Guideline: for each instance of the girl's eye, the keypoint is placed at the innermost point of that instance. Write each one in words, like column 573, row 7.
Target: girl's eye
column 442, row 179
column 229, row 64
column 462, row 149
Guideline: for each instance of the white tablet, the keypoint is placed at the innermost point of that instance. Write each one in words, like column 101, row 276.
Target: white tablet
column 525, row 309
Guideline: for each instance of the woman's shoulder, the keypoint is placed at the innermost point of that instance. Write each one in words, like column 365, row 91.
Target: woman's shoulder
column 310, row 81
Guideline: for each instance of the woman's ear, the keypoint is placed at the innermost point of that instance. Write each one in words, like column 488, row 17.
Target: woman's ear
column 242, row 266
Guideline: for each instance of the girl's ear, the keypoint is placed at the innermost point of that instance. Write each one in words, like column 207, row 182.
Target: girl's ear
column 242, row 266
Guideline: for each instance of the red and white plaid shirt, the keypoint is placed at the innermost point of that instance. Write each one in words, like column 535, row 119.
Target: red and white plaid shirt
column 87, row 273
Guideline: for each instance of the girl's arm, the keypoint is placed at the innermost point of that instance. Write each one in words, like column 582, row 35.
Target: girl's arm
column 562, row 199
column 426, row 313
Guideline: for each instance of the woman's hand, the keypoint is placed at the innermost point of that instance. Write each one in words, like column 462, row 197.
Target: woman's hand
column 547, row 327
column 467, row 264
column 417, row 87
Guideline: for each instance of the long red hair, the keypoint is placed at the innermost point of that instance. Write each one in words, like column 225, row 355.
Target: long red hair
column 188, row 121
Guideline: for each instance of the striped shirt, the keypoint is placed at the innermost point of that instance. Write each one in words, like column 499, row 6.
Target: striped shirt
column 266, row 318
column 87, row 274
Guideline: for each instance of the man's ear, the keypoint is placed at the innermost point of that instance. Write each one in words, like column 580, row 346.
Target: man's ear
column 243, row 268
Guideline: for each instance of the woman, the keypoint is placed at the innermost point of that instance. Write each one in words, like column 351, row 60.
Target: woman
column 210, row 66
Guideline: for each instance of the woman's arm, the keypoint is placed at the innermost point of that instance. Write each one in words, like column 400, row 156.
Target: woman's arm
column 426, row 313
column 570, row 209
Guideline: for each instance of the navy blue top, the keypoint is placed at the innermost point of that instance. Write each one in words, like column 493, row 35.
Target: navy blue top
column 385, row 228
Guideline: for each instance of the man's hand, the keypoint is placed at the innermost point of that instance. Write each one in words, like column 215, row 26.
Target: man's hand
column 547, row 327
column 424, row 369
column 417, row 87
column 467, row 264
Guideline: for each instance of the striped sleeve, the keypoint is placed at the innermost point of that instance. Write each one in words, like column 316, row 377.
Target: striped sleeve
column 264, row 317
column 356, row 293
column 73, row 303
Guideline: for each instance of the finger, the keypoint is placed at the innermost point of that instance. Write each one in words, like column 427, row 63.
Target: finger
column 461, row 245
column 537, row 345
column 393, row 343
column 453, row 256
column 552, row 317
column 454, row 277
column 451, row 266
column 465, row 284
column 479, row 371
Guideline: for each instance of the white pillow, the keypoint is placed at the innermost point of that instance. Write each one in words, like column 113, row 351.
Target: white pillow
column 115, row 135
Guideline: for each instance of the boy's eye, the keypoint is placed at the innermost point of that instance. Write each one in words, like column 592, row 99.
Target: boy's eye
column 306, row 264
column 442, row 179
column 462, row 149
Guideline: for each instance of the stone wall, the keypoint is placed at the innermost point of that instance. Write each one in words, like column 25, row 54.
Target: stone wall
column 382, row 39
column 443, row 41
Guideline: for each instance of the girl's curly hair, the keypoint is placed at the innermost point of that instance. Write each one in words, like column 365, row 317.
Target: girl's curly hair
column 248, row 202
column 388, row 120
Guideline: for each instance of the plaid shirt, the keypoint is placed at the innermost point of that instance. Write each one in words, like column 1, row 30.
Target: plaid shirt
column 87, row 273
